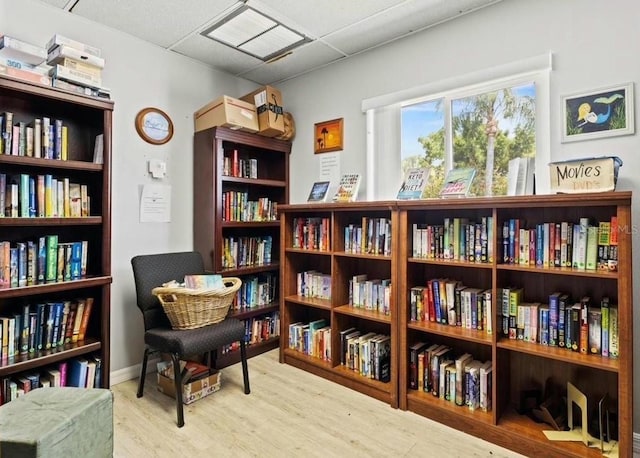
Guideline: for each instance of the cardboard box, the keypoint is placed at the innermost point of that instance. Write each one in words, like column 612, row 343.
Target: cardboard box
column 597, row 174
column 192, row 391
column 228, row 112
column 268, row 102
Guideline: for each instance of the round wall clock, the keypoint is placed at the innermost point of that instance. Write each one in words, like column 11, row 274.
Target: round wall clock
column 154, row 126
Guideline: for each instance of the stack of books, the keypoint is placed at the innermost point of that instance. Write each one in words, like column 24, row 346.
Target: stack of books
column 76, row 66
column 22, row 60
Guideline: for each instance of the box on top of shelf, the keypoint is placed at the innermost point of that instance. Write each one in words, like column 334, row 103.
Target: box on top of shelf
column 228, row 112
column 596, row 174
column 268, row 102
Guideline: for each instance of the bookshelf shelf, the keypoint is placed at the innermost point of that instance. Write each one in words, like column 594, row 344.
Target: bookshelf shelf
column 84, row 221
column 310, row 301
column 516, row 365
column 560, row 271
column 224, row 159
column 361, row 313
column 235, row 272
column 307, row 252
column 444, row 262
column 244, row 313
column 373, row 257
column 33, row 361
column 356, row 377
column 560, row 354
column 458, row 332
column 85, row 118
column 255, row 182
column 49, row 288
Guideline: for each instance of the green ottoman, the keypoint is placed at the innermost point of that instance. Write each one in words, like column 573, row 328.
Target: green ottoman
column 58, row 422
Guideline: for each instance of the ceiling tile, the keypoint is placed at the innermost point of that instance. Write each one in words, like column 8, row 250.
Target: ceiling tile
column 162, row 22
column 216, row 54
column 301, row 60
column 319, row 17
column 56, row 3
column 412, row 16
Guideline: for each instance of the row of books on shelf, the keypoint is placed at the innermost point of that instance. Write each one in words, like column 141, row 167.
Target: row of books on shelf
column 370, row 294
column 256, row 291
column 313, row 338
column 366, row 353
column 46, row 260
column 235, row 166
column 246, row 251
column 77, row 372
column 236, row 206
column 43, row 326
column 42, row 196
column 256, row 330
column 457, row 239
column 373, row 236
column 312, row 283
column 70, row 64
column 452, row 303
column 457, row 378
column 581, row 245
column 580, row 326
column 42, row 137
column 311, row 234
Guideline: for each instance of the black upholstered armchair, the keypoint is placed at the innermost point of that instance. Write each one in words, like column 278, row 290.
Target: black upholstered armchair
column 153, row 270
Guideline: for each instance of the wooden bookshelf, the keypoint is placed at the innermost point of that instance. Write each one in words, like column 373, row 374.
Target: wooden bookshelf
column 342, row 265
column 517, row 365
column 219, row 155
column 85, row 118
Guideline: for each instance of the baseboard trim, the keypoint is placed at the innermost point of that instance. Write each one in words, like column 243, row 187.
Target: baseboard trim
column 131, row 372
column 636, row 444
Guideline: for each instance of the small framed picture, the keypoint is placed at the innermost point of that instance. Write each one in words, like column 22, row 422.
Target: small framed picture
column 604, row 112
column 328, row 136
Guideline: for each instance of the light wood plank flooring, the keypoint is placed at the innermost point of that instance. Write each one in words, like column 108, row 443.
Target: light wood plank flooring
column 289, row 413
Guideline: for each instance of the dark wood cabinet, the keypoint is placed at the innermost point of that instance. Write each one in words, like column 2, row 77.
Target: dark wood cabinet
column 84, row 118
column 240, row 180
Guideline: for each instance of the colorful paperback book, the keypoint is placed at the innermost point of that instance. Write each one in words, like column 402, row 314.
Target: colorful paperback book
column 347, row 188
column 203, row 281
column 458, row 182
column 415, row 180
column 318, row 191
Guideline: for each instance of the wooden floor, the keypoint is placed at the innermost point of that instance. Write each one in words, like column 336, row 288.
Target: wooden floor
column 289, row 413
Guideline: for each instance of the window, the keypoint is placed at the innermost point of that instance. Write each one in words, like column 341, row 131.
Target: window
column 441, row 124
column 488, row 127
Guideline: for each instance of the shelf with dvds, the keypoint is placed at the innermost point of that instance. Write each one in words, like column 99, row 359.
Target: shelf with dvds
column 240, row 180
column 55, row 236
column 553, row 298
column 337, row 306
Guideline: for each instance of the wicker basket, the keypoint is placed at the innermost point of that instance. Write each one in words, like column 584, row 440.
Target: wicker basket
column 195, row 308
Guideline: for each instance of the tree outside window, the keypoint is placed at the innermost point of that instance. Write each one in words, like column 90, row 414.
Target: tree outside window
column 488, row 129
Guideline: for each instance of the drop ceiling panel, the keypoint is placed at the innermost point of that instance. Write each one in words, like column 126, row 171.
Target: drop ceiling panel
column 319, row 17
column 56, row 3
column 410, row 17
column 216, row 54
column 162, row 22
column 302, row 59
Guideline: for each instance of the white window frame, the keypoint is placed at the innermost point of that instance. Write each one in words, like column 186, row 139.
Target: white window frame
column 533, row 70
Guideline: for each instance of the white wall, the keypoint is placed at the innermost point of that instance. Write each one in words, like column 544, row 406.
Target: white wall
column 594, row 44
column 140, row 75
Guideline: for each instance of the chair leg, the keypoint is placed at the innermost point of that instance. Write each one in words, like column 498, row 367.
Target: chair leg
column 245, row 369
column 143, row 372
column 177, row 377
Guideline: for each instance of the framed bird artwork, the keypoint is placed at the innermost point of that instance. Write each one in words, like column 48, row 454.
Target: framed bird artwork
column 605, row 112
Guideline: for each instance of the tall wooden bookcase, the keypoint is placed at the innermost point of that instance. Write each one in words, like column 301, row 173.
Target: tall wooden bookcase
column 518, row 366
column 239, row 180
column 342, row 265
column 85, row 119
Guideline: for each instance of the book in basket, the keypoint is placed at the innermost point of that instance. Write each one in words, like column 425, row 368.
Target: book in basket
column 203, row 281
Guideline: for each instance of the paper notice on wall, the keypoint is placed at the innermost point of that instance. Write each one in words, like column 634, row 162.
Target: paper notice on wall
column 330, row 168
column 155, row 204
